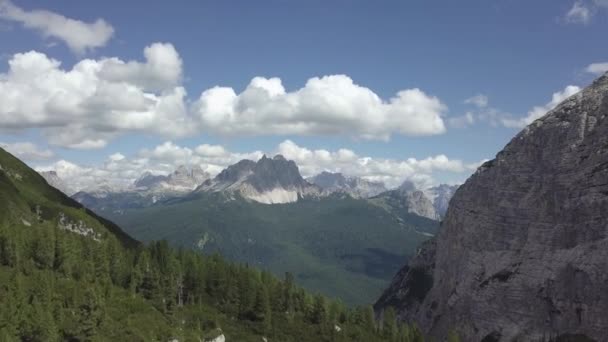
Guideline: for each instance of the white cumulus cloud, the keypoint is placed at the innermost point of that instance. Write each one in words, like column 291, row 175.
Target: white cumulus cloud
column 325, row 105
column 79, row 36
column 88, row 105
column 95, row 100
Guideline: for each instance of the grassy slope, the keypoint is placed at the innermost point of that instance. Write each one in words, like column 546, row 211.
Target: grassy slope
column 344, row 248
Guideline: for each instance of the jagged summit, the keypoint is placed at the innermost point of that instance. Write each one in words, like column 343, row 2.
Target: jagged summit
column 440, row 196
column 407, row 185
column 148, row 179
column 269, row 181
column 408, row 200
column 55, row 181
column 523, row 247
column 355, row 186
column 182, row 180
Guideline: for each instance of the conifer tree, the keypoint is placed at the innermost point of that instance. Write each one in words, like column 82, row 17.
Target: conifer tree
column 369, row 322
column 90, row 315
column 389, row 324
column 453, row 336
column 262, row 309
column 319, row 310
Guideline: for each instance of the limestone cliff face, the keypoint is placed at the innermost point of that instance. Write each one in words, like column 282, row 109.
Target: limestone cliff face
column 523, row 251
column 269, row 180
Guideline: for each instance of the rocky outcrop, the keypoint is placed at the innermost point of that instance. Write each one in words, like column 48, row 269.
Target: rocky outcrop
column 147, row 190
column 269, row 180
column 406, row 200
column 147, row 179
column 523, row 251
column 356, row 187
column 440, row 196
column 182, row 180
column 55, row 181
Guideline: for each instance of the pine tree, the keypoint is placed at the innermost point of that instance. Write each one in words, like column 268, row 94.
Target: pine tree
column 319, row 310
column 369, row 322
column 416, row 334
column 389, row 324
column 262, row 309
column 288, row 293
column 44, row 328
column 63, row 254
column 90, row 315
column 43, row 249
column 404, row 333
column 247, row 292
column 453, row 336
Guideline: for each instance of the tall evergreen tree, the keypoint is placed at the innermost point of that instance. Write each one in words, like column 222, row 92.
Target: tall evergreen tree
column 389, row 324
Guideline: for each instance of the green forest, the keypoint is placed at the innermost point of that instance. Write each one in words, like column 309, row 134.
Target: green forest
column 69, row 275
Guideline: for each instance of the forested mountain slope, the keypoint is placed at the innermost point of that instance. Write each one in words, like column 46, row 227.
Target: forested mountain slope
column 341, row 246
column 68, row 275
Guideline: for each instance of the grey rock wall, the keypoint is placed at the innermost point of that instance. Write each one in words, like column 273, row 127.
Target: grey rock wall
column 522, row 253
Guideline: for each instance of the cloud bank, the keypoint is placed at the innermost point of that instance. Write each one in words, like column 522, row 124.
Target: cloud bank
column 95, row 101
column 119, row 170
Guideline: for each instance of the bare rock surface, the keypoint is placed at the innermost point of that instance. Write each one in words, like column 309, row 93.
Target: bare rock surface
column 269, row 180
column 356, row 187
column 522, row 254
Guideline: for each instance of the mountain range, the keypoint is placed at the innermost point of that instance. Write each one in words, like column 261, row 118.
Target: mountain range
column 343, row 236
column 356, row 187
column 269, row 181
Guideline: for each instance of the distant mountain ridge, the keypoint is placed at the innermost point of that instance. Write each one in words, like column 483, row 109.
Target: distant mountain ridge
column 265, row 213
column 269, row 181
column 407, row 201
column 182, row 180
column 55, row 181
column 440, row 196
column 356, row 187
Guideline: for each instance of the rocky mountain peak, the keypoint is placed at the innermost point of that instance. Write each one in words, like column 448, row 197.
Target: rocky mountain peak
column 521, row 249
column 440, row 196
column 53, row 179
column 148, row 179
column 407, row 185
column 276, row 172
column 269, row 180
column 328, row 180
column 183, row 179
column 354, row 186
column 236, row 172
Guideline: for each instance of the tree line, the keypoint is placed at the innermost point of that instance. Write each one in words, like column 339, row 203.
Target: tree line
column 56, row 285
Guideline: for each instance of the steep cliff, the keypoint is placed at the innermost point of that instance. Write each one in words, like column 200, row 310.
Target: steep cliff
column 522, row 253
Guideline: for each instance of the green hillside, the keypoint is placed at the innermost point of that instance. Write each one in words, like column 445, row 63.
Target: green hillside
column 343, row 247
column 68, row 275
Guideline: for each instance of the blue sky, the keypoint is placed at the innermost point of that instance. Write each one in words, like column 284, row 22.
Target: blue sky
column 512, row 55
